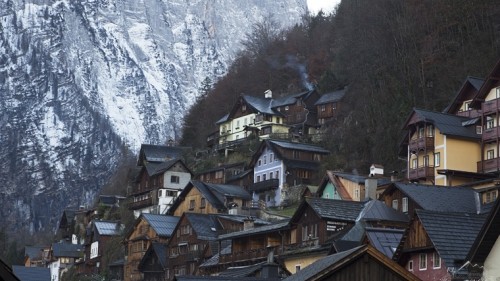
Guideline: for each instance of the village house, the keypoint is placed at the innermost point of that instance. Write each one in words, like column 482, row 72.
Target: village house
column 36, row 256
column 102, row 246
column 158, row 185
column 435, row 245
column 484, row 256
column 360, row 263
column 154, row 263
column 62, row 256
column 278, row 166
column 221, row 173
column 148, row 228
column 208, row 198
column 460, row 105
column 328, row 106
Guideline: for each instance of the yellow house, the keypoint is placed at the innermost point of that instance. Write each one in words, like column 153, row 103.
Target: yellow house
column 442, row 149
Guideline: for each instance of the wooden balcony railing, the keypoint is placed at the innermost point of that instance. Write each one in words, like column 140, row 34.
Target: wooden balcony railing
column 491, row 134
column 264, row 185
column 473, row 113
column 488, row 166
column 490, row 106
column 421, row 173
column 424, row 143
column 141, row 204
column 249, row 255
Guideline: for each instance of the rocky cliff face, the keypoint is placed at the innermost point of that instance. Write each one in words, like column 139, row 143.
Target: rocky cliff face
column 80, row 80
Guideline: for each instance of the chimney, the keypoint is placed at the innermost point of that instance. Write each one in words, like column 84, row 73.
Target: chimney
column 371, row 188
column 268, row 94
column 248, row 223
column 394, row 176
column 270, row 270
column 376, row 169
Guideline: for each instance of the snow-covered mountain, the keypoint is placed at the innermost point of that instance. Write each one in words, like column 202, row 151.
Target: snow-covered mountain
column 82, row 79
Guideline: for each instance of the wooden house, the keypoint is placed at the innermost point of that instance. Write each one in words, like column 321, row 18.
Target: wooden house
column 408, row 197
column 158, row 184
column 328, row 106
column 148, row 228
column 63, row 255
column 278, row 166
column 221, row 174
column 435, row 244
column 150, row 153
column 209, row 198
column 154, row 263
column 484, row 254
column 36, row 256
column 460, row 105
column 360, row 263
column 100, row 237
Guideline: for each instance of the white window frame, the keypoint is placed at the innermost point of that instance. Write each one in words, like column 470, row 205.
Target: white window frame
column 395, row 204
column 404, row 204
column 437, row 159
column 410, row 265
column 422, row 265
column 435, row 256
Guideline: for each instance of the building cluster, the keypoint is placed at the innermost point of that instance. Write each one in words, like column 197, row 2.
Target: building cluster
column 439, row 221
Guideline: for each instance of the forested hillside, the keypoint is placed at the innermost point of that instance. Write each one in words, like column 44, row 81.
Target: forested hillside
column 393, row 55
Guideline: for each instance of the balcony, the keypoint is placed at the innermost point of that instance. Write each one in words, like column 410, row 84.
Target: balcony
column 141, row 204
column 488, row 166
column 421, row 173
column 249, row 255
column 264, row 185
column 490, row 106
column 471, row 113
column 424, row 143
column 490, row 135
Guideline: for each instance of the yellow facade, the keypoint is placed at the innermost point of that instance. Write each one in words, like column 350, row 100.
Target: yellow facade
column 293, row 264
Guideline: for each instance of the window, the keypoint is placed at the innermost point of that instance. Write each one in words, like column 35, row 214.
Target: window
column 426, row 160
column 490, row 154
column 185, row 229
column 237, row 124
column 297, row 268
column 160, row 193
column 277, row 174
column 436, row 260
column 244, row 108
column 316, row 157
column 497, row 92
column 420, row 132
column 286, row 107
column 264, row 177
column 356, row 193
column 259, row 163
column 323, row 107
column 422, row 264
column 265, row 159
column 410, row 265
column 270, row 175
column 437, row 159
column 430, row 131
column 489, row 123
column 334, row 106
column 203, row 203
column 296, row 154
column 305, row 233
column 395, row 204
column 490, row 196
column 405, row 205
column 219, row 174
column 258, row 179
column 192, row 203
column 271, row 155
column 467, row 105
column 174, row 179
column 479, row 130
column 414, row 163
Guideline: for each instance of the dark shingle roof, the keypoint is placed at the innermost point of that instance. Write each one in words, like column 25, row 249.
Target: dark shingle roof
column 206, row 226
column 449, row 124
column 336, row 209
column 34, row 252
column 66, row 249
column 452, row 234
column 216, row 193
column 31, row 273
column 331, row 97
column 386, row 240
column 242, row 271
column 160, row 153
column 375, row 210
column 158, row 168
column 109, row 228
column 242, row 218
column 256, row 230
column 162, row 225
column 222, row 278
column 260, row 104
column 299, row 146
column 320, row 265
column 440, row 198
column 290, row 99
column 361, row 179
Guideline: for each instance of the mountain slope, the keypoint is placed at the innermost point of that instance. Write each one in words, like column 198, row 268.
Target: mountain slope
column 82, row 80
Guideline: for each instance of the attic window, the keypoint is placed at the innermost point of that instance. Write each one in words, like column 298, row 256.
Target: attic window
column 497, row 92
column 286, row 107
column 244, row 108
column 174, row 179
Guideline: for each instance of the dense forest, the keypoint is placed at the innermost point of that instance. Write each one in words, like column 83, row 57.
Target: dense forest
column 392, row 55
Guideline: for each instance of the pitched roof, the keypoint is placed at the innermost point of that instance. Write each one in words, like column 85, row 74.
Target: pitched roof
column 242, row 271
column 216, row 193
column 221, row 278
column 262, row 105
column 283, row 224
column 31, row 273
column 438, row 198
column 156, row 168
column 335, row 209
column 291, row 99
column 452, row 234
column 490, row 81
column 206, row 226
column 108, row 228
column 448, row 124
column 34, row 252
column 386, row 240
column 467, row 91
column 163, row 225
column 328, row 265
column 488, row 235
column 331, row 97
column 158, row 153
column 157, row 249
column 66, row 249
column 375, row 210
column 298, row 146
column 6, row 272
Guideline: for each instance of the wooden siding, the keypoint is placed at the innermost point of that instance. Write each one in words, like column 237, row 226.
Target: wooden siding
column 396, row 194
column 417, row 237
column 194, row 194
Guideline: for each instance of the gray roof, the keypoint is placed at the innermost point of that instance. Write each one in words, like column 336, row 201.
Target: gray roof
column 216, row 193
column 299, row 146
column 163, row 225
column 375, row 210
column 449, row 124
column 242, row 271
column 223, row 119
column 386, row 240
column 262, row 105
column 158, row 168
column 440, row 198
column 283, row 224
column 108, row 228
column 336, row 209
column 331, row 97
column 206, row 226
column 34, row 252
column 214, row 260
column 222, row 278
column 320, row 265
column 361, row 179
column 159, row 153
column 452, row 234
column 66, row 249
column 290, row 99
column 242, row 218
column 31, row 273
column 476, row 82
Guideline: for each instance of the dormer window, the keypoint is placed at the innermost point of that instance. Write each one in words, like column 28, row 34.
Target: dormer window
column 244, row 108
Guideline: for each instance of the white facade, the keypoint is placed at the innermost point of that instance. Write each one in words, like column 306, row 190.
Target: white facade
column 54, row 270
column 267, row 167
column 94, row 249
column 491, row 270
